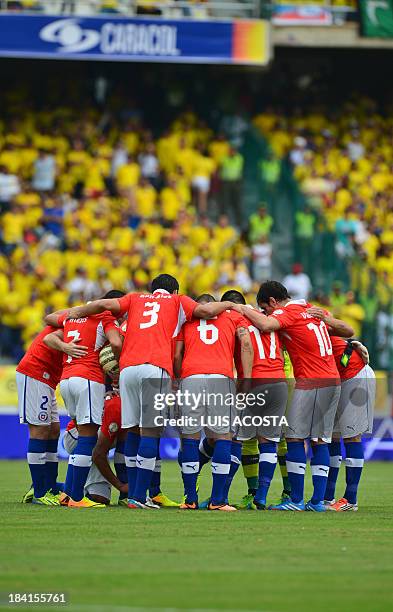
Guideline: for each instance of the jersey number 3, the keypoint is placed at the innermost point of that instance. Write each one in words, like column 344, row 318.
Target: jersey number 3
column 75, row 335
column 152, row 309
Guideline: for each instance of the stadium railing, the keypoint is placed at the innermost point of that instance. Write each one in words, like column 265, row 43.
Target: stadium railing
column 122, row 8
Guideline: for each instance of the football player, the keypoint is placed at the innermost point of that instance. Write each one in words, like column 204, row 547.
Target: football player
column 314, row 403
column 37, row 377
column 82, row 387
column 153, row 319
column 204, row 362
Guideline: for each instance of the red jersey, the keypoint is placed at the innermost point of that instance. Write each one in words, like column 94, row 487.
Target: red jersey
column 268, row 357
column 307, row 341
column 41, row 362
column 209, row 344
column 90, row 332
column 355, row 364
column 111, row 419
column 153, row 321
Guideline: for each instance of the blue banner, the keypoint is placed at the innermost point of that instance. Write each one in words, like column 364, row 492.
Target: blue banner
column 118, row 39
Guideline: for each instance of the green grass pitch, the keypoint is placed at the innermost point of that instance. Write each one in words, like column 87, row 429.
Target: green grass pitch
column 118, row 559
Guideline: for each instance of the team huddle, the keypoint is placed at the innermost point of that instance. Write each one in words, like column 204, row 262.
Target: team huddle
column 129, row 365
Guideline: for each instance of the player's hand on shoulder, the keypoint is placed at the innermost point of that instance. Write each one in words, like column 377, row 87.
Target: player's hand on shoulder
column 75, row 350
column 362, row 350
column 318, row 313
column 73, row 313
column 238, row 308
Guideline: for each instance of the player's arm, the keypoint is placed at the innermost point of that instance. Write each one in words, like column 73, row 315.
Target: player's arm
column 362, row 350
column 55, row 341
column 210, row 310
column 260, row 320
column 178, row 358
column 100, row 458
column 96, row 307
column 337, row 327
column 52, row 319
column 115, row 340
column 246, row 351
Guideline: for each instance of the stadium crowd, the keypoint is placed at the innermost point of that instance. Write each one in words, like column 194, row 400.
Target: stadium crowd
column 342, row 161
column 87, row 202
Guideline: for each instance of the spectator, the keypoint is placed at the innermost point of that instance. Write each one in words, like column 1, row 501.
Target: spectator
column 44, row 174
column 260, row 224
column 346, row 228
column 304, row 231
column 81, row 288
column 231, row 174
column 270, row 170
column 352, row 312
column 203, row 168
column 9, row 187
column 298, row 283
column 299, row 153
column 261, row 256
column 148, row 161
column 355, row 147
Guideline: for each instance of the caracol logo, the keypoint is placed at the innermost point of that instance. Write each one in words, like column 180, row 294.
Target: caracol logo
column 113, row 38
column 70, row 36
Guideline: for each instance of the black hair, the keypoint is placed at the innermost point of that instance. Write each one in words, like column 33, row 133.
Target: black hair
column 165, row 281
column 114, row 293
column 272, row 289
column 233, row 296
column 205, row 297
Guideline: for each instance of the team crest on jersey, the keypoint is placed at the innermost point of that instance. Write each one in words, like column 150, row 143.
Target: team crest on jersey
column 279, row 311
column 43, row 416
column 113, row 427
column 46, row 375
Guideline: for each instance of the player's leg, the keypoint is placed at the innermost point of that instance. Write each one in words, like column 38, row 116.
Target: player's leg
column 34, row 410
column 282, row 450
column 97, row 488
column 356, row 417
column 90, row 397
column 274, row 403
column 236, row 455
column 220, row 414
column 156, row 495
column 130, row 393
column 52, row 459
column 335, row 458
column 250, row 460
column 120, row 464
column 299, row 419
column 324, row 412
column 193, row 414
column 154, row 383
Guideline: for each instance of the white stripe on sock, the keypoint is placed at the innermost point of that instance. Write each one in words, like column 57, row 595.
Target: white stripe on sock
column 157, row 467
column 52, row 457
column 235, row 459
column 220, row 468
column 320, row 470
column 335, row 461
column 296, row 468
column 268, row 457
column 190, row 467
column 145, row 463
column 81, row 460
column 355, row 463
column 36, row 458
column 130, row 461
